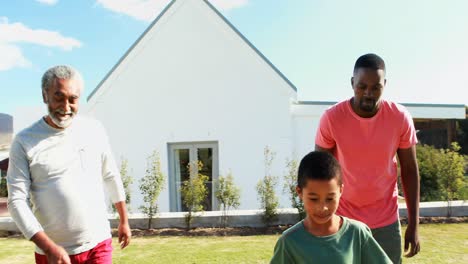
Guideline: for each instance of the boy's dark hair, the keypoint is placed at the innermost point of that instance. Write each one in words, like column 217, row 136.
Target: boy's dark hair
column 318, row 165
column 371, row 60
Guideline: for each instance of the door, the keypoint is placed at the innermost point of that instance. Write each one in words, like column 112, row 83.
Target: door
column 180, row 155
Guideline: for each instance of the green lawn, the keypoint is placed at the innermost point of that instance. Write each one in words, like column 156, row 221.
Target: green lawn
column 441, row 243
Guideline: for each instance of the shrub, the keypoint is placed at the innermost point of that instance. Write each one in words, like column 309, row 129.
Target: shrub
column 151, row 186
column 442, row 174
column 428, row 158
column 451, row 177
column 289, row 187
column 127, row 181
column 228, row 195
column 266, row 190
column 3, row 185
column 194, row 191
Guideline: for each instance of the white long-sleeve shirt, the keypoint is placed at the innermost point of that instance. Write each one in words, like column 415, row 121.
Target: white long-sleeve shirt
column 56, row 182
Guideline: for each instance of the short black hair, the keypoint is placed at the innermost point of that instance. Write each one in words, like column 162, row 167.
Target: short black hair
column 370, row 60
column 318, row 165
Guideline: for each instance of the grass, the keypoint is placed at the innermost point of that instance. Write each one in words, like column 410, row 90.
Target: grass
column 441, row 243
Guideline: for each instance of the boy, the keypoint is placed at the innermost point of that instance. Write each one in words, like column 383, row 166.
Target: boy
column 323, row 236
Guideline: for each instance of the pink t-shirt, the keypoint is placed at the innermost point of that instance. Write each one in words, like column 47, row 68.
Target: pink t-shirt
column 366, row 149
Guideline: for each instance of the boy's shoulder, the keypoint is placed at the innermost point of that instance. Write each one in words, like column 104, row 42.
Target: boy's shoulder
column 298, row 227
column 294, row 231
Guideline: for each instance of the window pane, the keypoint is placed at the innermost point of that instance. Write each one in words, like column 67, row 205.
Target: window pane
column 182, row 173
column 205, row 155
column 182, row 158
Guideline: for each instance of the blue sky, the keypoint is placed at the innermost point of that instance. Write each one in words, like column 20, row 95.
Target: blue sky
column 313, row 43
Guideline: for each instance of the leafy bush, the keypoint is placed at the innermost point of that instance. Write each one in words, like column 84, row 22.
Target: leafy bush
column 194, row 191
column 228, row 195
column 428, row 158
column 289, row 187
column 451, row 177
column 442, row 173
column 127, row 181
column 3, row 184
column 266, row 190
column 151, row 186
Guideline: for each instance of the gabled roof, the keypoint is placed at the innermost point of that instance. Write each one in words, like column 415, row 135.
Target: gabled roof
column 156, row 21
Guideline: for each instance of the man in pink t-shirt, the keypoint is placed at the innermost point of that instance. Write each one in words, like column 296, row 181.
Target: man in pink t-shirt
column 365, row 133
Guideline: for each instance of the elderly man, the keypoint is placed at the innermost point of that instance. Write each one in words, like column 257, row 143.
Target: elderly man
column 366, row 133
column 58, row 169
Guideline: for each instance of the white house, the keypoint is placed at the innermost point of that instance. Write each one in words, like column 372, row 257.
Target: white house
column 192, row 87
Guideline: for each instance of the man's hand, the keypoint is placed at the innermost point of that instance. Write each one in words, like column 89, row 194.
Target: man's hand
column 410, row 180
column 57, row 255
column 412, row 245
column 124, row 235
column 124, row 228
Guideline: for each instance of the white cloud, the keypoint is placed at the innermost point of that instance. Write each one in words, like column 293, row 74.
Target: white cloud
column 47, row 2
column 17, row 32
column 228, row 4
column 147, row 10
column 11, row 34
column 12, row 57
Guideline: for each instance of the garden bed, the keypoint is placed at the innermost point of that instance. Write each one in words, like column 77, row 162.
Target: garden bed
column 241, row 231
column 250, row 231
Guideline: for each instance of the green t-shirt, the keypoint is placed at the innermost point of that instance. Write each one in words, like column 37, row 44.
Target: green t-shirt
column 353, row 243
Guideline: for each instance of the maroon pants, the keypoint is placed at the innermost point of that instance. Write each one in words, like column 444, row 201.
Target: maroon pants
column 100, row 254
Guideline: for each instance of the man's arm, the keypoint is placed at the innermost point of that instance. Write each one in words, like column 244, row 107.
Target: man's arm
column 410, row 181
column 124, row 228
column 54, row 253
column 19, row 184
column 113, row 184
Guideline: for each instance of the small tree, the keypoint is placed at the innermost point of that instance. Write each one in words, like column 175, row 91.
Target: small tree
column 3, row 185
column 194, row 191
column 151, row 186
column 228, row 195
column 127, row 181
column 289, row 187
column 266, row 190
column 451, row 174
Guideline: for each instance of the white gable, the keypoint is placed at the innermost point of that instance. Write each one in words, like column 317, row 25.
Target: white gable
column 190, row 35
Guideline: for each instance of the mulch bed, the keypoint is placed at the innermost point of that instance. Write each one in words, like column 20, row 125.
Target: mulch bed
column 250, row 231
column 242, row 231
column 208, row 231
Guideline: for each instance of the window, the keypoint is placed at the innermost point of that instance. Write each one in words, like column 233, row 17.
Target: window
column 180, row 155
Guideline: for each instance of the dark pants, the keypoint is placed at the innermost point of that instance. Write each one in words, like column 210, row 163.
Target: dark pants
column 389, row 238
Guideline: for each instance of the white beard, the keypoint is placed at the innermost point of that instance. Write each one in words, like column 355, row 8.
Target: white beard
column 59, row 122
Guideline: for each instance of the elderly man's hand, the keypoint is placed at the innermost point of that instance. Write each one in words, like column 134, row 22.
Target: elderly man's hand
column 125, row 234
column 57, row 255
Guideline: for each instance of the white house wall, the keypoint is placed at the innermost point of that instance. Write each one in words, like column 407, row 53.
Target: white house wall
column 306, row 118
column 191, row 78
column 436, row 111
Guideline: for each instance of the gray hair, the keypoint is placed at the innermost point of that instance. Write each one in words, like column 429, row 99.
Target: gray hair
column 60, row 72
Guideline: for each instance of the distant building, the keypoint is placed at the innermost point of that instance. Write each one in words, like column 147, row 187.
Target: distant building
column 6, row 130
column 6, row 135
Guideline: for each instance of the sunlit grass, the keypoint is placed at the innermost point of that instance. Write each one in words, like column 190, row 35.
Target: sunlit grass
column 441, row 243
